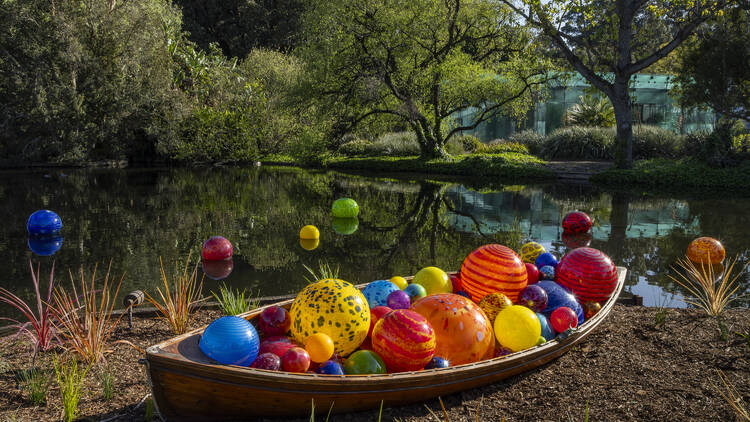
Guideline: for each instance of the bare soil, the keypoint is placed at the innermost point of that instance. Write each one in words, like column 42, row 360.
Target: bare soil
column 628, row 369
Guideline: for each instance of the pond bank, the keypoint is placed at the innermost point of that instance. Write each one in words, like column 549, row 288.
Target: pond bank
column 630, row 368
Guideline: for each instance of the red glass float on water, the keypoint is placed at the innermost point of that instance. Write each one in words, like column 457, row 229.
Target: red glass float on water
column 588, row 273
column 218, row 270
column 404, row 339
column 217, row 248
column 576, row 222
column 706, row 250
column 576, row 240
column 493, row 268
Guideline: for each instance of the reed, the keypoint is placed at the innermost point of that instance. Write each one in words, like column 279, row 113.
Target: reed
column 234, row 302
column 39, row 326
column 107, row 382
column 85, row 315
column 713, row 292
column 325, row 271
column 35, row 383
column 70, row 380
column 177, row 305
column 732, row 396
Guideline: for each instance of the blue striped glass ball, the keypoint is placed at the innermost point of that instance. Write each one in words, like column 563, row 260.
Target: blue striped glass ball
column 43, row 222
column 230, row 340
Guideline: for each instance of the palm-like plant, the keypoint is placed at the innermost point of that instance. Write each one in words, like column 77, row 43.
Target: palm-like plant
column 590, row 111
column 39, row 327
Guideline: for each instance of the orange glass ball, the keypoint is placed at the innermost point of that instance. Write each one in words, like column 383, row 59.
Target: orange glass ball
column 706, row 250
column 493, row 268
column 462, row 331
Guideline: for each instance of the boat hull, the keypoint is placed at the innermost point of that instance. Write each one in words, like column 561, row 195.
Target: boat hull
column 187, row 386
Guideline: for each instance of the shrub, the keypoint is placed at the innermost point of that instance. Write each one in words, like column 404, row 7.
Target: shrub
column 498, row 145
column 356, row 147
column 396, row 144
column 309, row 148
column 533, row 141
column 727, row 145
column 211, row 134
column 579, row 143
column 590, row 111
column 653, row 142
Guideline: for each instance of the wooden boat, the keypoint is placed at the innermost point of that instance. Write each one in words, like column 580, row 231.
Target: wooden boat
column 187, row 386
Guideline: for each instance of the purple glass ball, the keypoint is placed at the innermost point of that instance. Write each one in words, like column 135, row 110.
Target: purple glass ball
column 398, row 299
column 533, row 297
column 267, row 361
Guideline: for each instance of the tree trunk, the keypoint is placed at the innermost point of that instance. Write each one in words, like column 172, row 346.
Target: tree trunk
column 624, row 119
column 431, row 146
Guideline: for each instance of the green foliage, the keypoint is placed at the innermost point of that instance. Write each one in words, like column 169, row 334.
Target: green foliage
column 309, row 148
column 506, row 165
column 590, row 111
column 530, row 139
column 234, row 302
column 70, row 380
column 398, row 144
column 325, row 271
column 356, row 147
column 107, row 382
column 499, row 146
column 726, row 146
column 35, row 383
column 83, row 80
column 653, row 141
column 368, row 59
column 713, row 69
column 579, row 143
column 667, row 173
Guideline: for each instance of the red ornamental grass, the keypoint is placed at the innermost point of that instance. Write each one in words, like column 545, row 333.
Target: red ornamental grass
column 39, row 327
column 85, row 315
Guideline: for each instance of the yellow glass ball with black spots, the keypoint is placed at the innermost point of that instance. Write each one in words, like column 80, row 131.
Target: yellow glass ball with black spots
column 530, row 251
column 333, row 307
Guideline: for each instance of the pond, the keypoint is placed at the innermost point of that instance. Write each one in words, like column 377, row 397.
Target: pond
column 133, row 218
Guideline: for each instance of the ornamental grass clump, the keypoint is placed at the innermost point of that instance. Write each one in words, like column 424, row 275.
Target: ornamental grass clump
column 35, row 383
column 70, row 380
column 713, row 292
column 39, row 326
column 176, row 305
column 234, row 302
column 732, row 396
column 85, row 315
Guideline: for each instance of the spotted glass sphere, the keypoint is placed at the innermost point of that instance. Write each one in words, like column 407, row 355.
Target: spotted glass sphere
column 589, row 273
column 334, row 307
column 493, row 303
column 590, row 308
column 576, row 222
column 462, row 331
column 706, row 250
column 493, row 268
column 530, row 251
column 547, row 273
column 404, row 339
column 546, row 259
column 533, row 297
column 377, row 292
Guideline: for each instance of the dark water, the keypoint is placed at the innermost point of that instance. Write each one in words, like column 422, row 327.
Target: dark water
column 134, row 217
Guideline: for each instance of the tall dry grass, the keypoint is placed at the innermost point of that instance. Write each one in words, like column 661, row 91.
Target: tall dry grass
column 713, row 292
column 177, row 304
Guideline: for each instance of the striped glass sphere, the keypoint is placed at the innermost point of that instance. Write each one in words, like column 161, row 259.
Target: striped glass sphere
column 404, row 339
column 588, row 273
column 493, row 268
column 576, row 222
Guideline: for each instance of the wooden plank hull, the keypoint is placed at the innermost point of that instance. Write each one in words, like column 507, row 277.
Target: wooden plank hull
column 186, row 386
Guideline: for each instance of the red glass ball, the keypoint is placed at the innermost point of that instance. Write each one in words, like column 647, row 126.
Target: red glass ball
column 576, row 222
column 456, row 282
column 588, row 273
column 278, row 345
column 295, row 359
column 493, row 268
column 405, row 340
column 532, row 272
column 563, row 318
column 217, row 248
column 274, row 321
column 375, row 314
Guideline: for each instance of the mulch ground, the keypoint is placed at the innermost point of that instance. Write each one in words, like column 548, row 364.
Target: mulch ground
column 628, row 369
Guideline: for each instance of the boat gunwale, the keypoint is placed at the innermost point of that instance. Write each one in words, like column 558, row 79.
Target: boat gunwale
column 159, row 358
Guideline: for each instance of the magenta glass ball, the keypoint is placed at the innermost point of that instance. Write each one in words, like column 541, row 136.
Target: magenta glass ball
column 563, row 318
column 398, row 299
column 274, row 321
column 533, row 297
column 217, row 248
column 267, row 361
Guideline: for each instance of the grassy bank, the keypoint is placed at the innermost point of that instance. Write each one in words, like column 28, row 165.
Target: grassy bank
column 504, row 165
column 687, row 173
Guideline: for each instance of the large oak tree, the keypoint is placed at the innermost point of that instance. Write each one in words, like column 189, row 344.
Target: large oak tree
column 607, row 41
column 420, row 62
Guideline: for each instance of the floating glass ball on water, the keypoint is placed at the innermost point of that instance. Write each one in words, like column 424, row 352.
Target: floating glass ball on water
column 45, row 245
column 345, row 208
column 43, row 222
column 216, row 248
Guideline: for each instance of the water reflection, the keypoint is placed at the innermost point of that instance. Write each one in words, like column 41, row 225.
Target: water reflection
column 133, row 217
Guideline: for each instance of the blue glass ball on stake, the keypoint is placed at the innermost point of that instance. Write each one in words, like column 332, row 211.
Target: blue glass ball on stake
column 43, row 222
column 546, row 259
column 45, row 245
column 230, row 340
column 377, row 292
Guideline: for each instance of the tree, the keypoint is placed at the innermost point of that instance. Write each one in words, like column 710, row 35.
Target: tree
column 420, row 63
column 609, row 41
column 715, row 69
